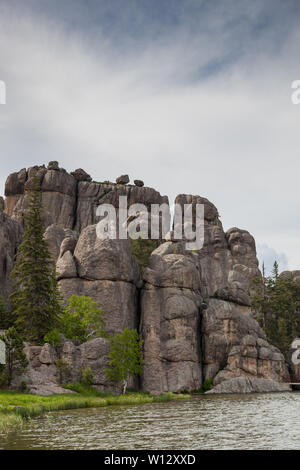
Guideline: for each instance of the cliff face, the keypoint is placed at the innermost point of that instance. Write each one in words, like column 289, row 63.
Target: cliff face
column 70, row 200
column 10, row 237
column 192, row 308
column 189, row 335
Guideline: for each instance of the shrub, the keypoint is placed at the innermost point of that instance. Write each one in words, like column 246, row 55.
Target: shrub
column 53, row 338
column 141, row 251
column 207, row 385
column 86, row 376
column 82, row 319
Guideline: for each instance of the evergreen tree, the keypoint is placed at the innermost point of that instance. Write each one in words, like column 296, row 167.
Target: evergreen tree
column 16, row 361
column 36, row 300
column 5, row 320
column 276, row 301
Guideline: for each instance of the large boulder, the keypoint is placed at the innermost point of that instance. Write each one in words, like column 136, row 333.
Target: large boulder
column 235, row 346
column 244, row 384
column 58, row 194
column 227, row 261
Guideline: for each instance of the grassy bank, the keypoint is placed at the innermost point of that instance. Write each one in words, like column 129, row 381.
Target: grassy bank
column 16, row 407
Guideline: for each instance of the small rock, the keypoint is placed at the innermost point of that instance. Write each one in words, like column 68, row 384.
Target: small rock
column 53, row 165
column 123, row 179
column 81, row 175
column 139, row 183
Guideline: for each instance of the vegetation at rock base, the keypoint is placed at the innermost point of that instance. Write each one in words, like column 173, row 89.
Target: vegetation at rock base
column 17, row 407
column 125, row 356
column 276, row 301
column 141, row 251
column 16, row 361
column 36, row 299
column 80, row 320
column 86, row 377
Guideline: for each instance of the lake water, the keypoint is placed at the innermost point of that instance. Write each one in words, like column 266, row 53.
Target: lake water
column 262, row 421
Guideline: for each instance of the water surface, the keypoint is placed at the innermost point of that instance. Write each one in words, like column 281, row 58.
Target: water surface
column 258, row 421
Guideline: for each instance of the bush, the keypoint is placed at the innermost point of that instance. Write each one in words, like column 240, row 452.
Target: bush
column 141, row 251
column 53, row 338
column 207, row 385
column 86, row 376
column 82, row 319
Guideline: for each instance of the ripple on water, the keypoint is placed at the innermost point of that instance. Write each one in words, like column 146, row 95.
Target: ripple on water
column 269, row 421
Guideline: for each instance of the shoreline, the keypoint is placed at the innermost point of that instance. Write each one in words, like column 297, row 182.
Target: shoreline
column 16, row 408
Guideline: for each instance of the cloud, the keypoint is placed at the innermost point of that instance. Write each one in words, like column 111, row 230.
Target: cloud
column 191, row 99
column 267, row 256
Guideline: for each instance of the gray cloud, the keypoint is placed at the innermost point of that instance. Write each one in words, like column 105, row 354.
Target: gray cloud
column 191, row 99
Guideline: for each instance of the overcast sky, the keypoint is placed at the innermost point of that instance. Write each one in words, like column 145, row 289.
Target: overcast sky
column 191, row 96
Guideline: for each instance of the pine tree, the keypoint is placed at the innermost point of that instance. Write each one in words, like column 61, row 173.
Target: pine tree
column 36, row 300
column 16, row 361
column 277, row 303
column 4, row 318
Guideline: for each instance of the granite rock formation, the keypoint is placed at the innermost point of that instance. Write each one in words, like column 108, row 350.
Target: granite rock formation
column 192, row 308
column 71, row 200
column 104, row 270
column 10, row 237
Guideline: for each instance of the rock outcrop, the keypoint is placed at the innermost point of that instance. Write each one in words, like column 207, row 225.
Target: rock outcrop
column 106, row 271
column 192, row 308
column 71, row 200
column 45, row 377
column 178, row 309
column 10, row 237
column 170, row 322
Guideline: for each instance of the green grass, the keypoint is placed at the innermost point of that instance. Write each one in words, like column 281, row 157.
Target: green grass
column 15, row 407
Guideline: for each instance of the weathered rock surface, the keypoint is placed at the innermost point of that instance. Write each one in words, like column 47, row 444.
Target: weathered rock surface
column 10, row 237
column 107, row 272
column 123, row 179
column 193, row 310
column 170, row 323
column 70, row 200
column 249, row 385
column 43, row 377
column 81, row 175
column 224, row 268
column 235, row 346
column 58, row 195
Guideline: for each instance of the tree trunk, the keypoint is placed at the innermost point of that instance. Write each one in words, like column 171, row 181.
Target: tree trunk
column 124, row 386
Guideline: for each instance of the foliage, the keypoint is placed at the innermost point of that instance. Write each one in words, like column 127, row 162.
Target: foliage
column 5, row 317
column 53, row 337
column 16, row 361
column 125, row 356
column 141, row 250
column 276, row 301
column 82, row 319
column 16, row 406
column 36, row 299
column 64, row 369
column 207, row 385
column 86, row 376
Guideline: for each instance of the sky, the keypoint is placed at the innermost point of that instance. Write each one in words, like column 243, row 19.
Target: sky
column 191, row 96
